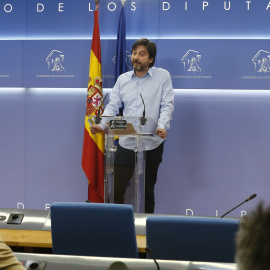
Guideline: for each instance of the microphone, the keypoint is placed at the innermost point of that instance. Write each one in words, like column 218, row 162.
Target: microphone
column 98, row 117
column 143, row 120
column 148, row 251
column 248, row 199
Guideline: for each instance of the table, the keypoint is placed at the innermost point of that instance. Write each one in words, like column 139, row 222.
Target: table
column 43, row 239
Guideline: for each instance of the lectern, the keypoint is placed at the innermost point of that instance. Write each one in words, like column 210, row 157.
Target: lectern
column 134, row 131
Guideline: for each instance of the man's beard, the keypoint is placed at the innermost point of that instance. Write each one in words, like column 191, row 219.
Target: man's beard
column 139, row 66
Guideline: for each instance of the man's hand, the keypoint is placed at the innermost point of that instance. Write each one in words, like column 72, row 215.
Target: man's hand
column 161, row 132
column 95, row 129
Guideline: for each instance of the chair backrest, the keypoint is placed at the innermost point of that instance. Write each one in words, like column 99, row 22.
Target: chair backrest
column 93, row 229
column 192, row 238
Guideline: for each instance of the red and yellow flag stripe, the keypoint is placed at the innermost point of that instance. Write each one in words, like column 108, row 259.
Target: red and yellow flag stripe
column 93, row 146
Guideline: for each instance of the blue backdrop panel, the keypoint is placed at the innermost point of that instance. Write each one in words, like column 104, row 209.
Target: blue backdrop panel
column 56, row 63
column 41, row 68
column 108, row 55
column 74, row 19
column 59, row 19
column 12, row 145
column 213, row 18
column 54, row 140
column 13, row 19
column 142, row 19
column 11, row 63
column 40, row 57
column 217, row 152
column 216, row 63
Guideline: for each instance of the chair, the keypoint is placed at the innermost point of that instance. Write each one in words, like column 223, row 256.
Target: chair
column 192, row 238
column 93, row 229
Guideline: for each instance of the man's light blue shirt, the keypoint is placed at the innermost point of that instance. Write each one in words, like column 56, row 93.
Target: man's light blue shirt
column 157, row 92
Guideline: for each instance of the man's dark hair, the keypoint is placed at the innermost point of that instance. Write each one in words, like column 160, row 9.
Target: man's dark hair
column 253, row 240
column 151, row 48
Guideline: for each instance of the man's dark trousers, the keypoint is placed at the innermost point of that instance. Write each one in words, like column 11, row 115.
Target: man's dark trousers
column 123, row 170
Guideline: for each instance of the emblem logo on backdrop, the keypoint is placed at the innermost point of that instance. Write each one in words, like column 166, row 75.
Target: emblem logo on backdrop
column 191, row 61
column 109, row 75
column 189, row 68
column 261, row 61
column 128, row 60
column 55, row 68
column 55, row 61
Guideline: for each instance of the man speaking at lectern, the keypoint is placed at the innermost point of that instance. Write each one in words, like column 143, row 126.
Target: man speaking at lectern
column 150, row 85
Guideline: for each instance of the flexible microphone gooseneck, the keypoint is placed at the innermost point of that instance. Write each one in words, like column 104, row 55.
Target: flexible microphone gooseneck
column 98, row 117
column 148, row 251
column 248, row 199
column 143, row 120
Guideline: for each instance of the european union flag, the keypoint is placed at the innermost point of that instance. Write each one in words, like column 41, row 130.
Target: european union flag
column 121, row 65
column 120, row 61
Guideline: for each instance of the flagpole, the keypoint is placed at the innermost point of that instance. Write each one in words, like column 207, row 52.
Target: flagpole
column 97, row 4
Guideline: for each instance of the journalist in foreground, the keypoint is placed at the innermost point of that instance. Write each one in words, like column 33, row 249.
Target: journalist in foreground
column 253, row 240
column 7, row 259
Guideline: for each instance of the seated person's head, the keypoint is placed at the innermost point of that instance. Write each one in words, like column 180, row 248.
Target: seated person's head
column 253, row 240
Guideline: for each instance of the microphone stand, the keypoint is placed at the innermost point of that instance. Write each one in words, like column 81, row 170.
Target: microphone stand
column 250, row 198
column 148, row 250
column 143, row 120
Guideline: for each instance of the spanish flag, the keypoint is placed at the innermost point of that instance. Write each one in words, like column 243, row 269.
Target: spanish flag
column 93, row 145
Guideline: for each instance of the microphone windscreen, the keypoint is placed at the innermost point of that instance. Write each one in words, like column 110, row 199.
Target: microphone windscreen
column 252, row 196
